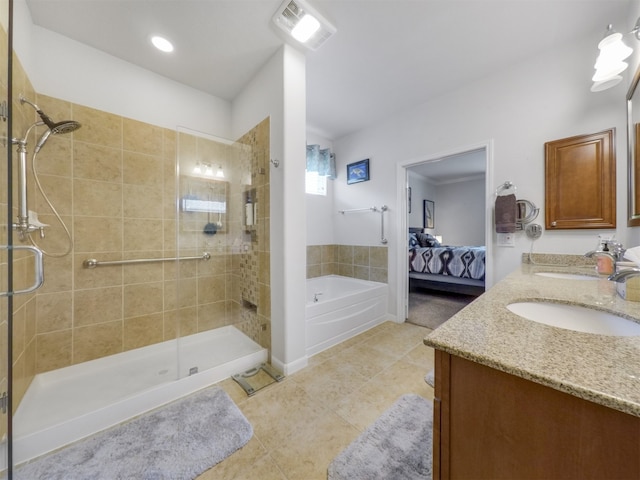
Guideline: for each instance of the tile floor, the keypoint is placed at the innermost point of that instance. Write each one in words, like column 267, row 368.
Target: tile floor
column 303, row 422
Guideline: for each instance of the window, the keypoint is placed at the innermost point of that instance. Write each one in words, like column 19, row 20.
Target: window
column 315, row 184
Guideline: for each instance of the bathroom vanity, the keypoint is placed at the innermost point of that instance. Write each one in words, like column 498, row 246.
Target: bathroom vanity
column 516, row 398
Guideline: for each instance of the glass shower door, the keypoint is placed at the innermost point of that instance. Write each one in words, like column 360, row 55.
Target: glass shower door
column 6, row 301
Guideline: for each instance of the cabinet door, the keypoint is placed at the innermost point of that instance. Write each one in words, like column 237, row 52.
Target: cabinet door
column 580, row 182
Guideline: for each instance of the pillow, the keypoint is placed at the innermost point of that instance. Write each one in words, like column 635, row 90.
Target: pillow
column 413, row 240
column 427, row 240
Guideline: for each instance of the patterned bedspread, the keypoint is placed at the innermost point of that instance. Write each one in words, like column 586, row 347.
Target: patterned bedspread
column 463, row 262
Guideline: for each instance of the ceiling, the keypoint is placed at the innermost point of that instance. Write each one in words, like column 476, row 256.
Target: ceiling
column 386, row 56
column 469, row 165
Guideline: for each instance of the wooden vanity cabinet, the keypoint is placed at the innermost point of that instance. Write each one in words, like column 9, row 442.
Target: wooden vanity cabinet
column 580, row 182
column 492, row 425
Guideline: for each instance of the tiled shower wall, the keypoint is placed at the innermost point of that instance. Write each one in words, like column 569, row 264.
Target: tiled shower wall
column 363, row 262
column 113, row 182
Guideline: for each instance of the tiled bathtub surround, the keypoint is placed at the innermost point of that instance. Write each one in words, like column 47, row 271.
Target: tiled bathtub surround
column 363, row 262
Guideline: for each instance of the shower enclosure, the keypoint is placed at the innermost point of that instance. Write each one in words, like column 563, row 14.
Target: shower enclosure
column 156, row 241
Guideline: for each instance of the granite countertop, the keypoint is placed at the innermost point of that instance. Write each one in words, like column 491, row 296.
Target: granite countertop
column 599, row 368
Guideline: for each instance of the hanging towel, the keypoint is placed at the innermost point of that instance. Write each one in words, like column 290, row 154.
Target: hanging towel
column 505, row 213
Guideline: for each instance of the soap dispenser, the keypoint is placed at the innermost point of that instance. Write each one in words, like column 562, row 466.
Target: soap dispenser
column 605, row 264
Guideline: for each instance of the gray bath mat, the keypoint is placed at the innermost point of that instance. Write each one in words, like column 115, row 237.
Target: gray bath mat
column 398, row 445
column 178, row 441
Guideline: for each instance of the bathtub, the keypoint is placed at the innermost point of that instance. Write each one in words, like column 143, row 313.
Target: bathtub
column 65, row 405
column 339, row 308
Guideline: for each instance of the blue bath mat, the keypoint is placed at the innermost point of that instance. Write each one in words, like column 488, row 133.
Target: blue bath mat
column 176, row 442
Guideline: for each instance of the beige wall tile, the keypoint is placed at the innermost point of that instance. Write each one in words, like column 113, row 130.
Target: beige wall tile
column 314, row 254
column 97, row 162
column 361, row 272
column 98, row 127
column 97, row 277
column 97, row 305
column 329, row 269
column 58, row 190
column 142, row 234
column 53, row 350
column 187, row 319
column 314, row 271
column 187, row 292
column 142, row 331
column 142, row 137
column 96, row 341
column 345, row 254
column 211, row 289
column 58, row 274
column 54, row 312
column 345, row 270
column 361, row 256
column 142, row 272
column 211, row 315
column 143, row 202
column 143, row 299
column 378, row 275
column 140, row 169
column 328, row 253
column 96, row 199
column 19, row 343
column 379, row 257
column 97, row 234
column 55, row 157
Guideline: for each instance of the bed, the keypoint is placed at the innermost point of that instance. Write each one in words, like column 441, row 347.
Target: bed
column 459, row 269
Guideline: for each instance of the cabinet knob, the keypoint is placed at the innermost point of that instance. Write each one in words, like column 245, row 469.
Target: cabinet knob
column 553, row 224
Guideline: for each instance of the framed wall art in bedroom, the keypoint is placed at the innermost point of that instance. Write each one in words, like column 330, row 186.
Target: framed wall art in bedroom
column 429, row 214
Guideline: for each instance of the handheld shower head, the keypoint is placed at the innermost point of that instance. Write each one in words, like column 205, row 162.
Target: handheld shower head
column 56, row 128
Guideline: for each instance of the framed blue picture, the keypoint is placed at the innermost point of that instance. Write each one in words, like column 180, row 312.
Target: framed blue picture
column 358, row 172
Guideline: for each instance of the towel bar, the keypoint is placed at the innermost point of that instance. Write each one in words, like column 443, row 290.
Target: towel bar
column 93, row 263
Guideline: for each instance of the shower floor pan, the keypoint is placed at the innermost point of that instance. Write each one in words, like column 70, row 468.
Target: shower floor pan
column 65, row 405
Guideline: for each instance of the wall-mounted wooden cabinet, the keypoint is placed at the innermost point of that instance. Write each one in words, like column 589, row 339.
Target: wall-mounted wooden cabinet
column 580, row 182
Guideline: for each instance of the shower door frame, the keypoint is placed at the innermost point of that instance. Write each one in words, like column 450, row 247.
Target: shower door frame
column 6, row 317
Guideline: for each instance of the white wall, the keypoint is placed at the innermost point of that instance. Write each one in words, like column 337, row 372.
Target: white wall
column 320, row 208
column 459, row 212
column 278, row 91
column 421, row 189
column 518, row 110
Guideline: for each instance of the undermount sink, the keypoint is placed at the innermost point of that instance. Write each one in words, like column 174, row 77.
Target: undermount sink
column 567, row 276
column 574, row 317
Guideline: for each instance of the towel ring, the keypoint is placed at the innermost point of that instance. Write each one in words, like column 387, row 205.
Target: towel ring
column 504, row 187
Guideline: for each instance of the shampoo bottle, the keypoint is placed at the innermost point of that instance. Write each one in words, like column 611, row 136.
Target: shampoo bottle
column 248, row 209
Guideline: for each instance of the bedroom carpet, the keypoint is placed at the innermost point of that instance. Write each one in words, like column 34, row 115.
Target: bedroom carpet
column 431, row 309
column 396, row 446
column 175, row 442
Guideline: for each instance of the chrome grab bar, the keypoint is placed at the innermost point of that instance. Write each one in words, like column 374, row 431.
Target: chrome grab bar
column 38, row 269
column 93, row 263
column 382, row 209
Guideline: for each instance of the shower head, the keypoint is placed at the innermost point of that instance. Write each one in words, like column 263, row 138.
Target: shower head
column 56, row 128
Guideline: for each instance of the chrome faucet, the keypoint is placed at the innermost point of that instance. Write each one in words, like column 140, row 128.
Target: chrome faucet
column 615, row 252
column 316, row 295
column 596, row 253
column 623, row 275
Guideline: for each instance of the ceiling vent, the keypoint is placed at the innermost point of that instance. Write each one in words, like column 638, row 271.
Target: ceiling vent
column 292, row 13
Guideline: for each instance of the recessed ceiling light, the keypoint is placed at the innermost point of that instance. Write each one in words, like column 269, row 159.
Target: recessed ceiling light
column 162, row 44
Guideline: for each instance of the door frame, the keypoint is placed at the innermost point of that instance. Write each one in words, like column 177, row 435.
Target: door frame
column 402, row 186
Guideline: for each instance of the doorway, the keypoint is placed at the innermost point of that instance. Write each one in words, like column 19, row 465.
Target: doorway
column 448, row 201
